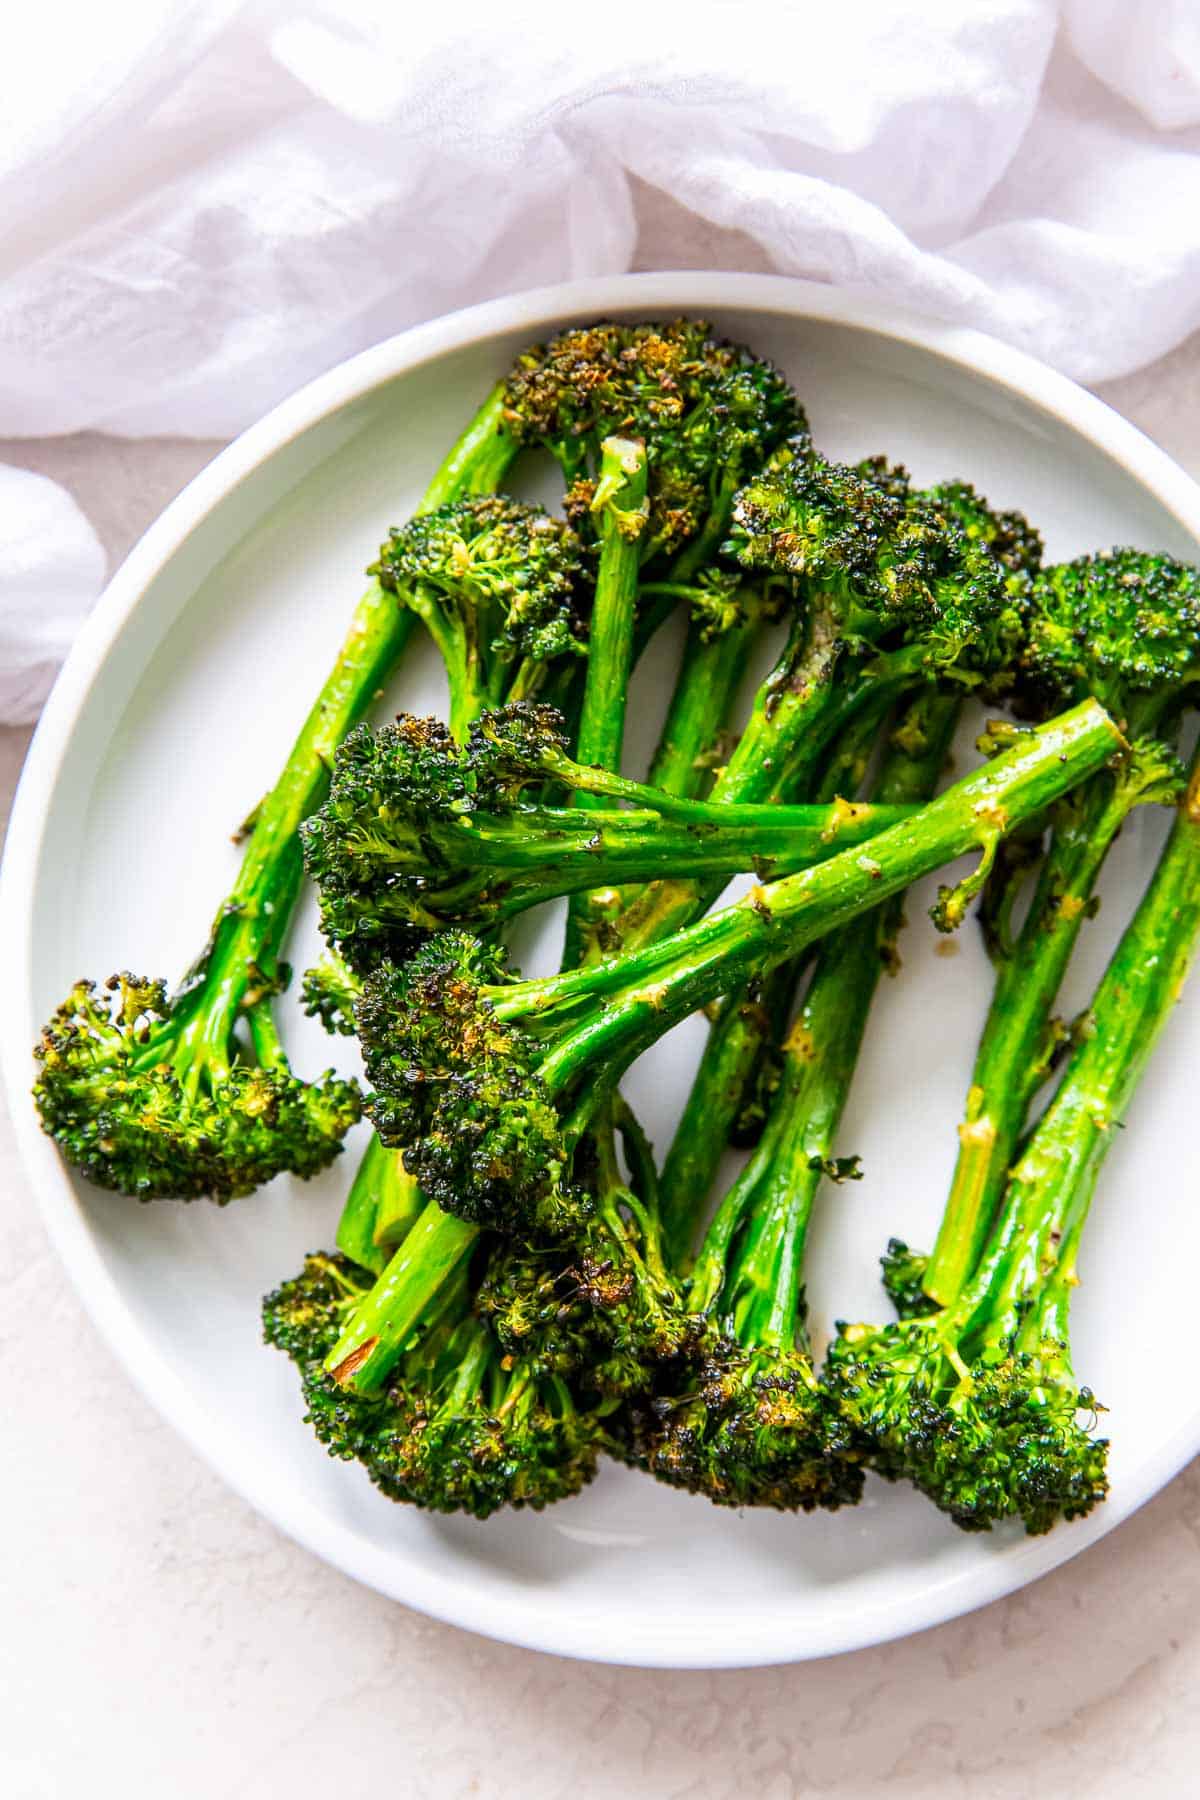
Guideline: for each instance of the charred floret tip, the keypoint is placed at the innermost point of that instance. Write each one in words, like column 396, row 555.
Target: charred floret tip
column 141, row 1102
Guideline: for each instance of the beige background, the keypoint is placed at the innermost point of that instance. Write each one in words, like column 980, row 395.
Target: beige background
column 157, row 1637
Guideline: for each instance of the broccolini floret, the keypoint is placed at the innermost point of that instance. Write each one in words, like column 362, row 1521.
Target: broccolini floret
column 499, row 586
column 158, row 1098
column 600, row 1306
column 459, row 1427
column 708, row 412
column 1123, row 626
column 884, row 593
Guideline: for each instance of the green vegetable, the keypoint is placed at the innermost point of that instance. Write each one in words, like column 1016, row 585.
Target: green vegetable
column 977, row 1402
column 498, row 586
column 420, row 834
column 885, row 593
column 737, row 1071
column 160, row 1096
column 487, row 1083
column 1126, row 628
column 757, row 1427
column 516, row 1288
column 709, row 413
column 457, row 1428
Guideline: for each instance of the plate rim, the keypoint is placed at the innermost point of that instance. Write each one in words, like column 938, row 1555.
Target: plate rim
column 521, row 1620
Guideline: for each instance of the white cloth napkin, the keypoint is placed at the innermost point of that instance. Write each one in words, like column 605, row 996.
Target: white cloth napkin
column 51, row 570
column 207, row 204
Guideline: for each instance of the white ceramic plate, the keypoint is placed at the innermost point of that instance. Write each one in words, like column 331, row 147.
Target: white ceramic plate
column 170, row 718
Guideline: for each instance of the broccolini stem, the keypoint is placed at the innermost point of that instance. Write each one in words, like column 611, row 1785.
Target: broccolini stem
column 706, row 687
column 1050, row 1187
column 400, row 1202
column 376, row 1333
column 615, row 1197
column 683, row 809
column 820, row 1057
column 787, row 710
column 650, row 990
column 383, row 1205
column 378, row 634
column 464, row 670
column 1021, row 1256
column 850, row 756
column 804, row 706
column 356, row 1227
column 703, row 1132
column 639, row 1153
column 479, row 461
column 473, row 1364
column 622, row 512
column 1048, row 1321
column 264, row 1035
column 1012, row 1060
column 752, row 1018
column 797, row 714
column 622, row 509
column 791, row 719
column 250, row 927
column 475, row 465
column 542, row 853
column 765, row 1276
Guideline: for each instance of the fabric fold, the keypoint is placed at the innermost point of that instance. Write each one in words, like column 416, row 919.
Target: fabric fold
column 207, row 206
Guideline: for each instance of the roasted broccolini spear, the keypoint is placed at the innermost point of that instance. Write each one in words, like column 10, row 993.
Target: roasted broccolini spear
column 977, row 1402
column 1126, row 628
column 160, row 1096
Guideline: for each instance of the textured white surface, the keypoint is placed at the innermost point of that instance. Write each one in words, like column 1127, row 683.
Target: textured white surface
column 208, row 202
column 53, row 569
column 156, row 1636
